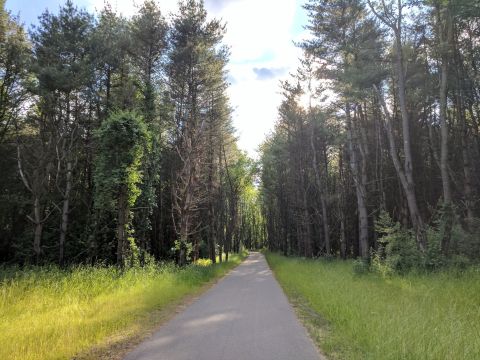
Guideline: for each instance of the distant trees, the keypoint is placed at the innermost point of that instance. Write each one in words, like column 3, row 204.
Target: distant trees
column 118, row 138
column 14, row 58
column 397, row 135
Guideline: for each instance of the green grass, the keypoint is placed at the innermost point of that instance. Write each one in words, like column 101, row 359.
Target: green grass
column 48, row 313
column 430, row 316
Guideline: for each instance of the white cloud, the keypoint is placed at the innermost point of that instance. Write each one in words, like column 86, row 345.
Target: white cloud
column 129, row 7
column 260, row 35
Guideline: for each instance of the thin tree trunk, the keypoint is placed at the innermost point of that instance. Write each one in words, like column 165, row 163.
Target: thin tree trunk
column 341, row 204
column 405, row 174
column 37, row 207
column 65, row 213
column 467, row 167
column 408, row 187
column 321, row 189
column 360, row 190
column 306, row 226
column 447, row 195
column 468, row 193
column 38, row 222
column 122, row 214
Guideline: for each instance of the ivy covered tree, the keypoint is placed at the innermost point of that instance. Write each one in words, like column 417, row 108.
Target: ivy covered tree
column 123, row 141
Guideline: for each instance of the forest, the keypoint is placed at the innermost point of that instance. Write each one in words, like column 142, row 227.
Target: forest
column 125, row 195
column 116, row 140
column 375, row 153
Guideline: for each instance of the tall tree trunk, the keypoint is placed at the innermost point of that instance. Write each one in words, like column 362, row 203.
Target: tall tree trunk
column 360, row 189
column 407, row 186
column 306, row 226
column 447, row 195
column 341, row 210
column 65, row 213
column 183, row 237
column 212, row 233
column 395, row 22
column 37, row 235
column 37, row 220
column 321, row 189
column 122, row 219
column 468, row 194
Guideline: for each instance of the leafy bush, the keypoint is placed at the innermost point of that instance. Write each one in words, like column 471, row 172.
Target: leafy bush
column 378, row 263
column 397, row 251
column 203, row 262
column 459, row 262
column 467, row 243
column 433, row 258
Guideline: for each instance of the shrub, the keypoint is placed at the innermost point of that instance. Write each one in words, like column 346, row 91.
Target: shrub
column 433, row 258
column 459, row 262
column 402, row 254
column 361, row 266
column 378, row 263
column 397, row 252
column 203, row 262
column 467, row 242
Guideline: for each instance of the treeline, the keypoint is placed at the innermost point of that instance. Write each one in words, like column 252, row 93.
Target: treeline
column 116, row 139
column 377, row 147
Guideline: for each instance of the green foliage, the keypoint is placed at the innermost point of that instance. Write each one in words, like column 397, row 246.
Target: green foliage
column 415, row 316
column 467, row 242
column 62, row 46
column 186, row 246
column 398, row 253
column 14, row 61
column 203, row 262
column 122, row 139
column 402, row 254
column 434, row 258
column 397, row 250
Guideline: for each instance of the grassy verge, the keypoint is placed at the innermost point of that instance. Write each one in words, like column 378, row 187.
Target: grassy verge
column 435, row 316
column 47, row 313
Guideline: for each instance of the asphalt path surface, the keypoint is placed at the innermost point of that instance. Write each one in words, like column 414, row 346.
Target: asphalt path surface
column 246, row 316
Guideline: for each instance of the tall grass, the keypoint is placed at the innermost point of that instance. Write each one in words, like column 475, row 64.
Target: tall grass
column 430, row 316
column 48, row 313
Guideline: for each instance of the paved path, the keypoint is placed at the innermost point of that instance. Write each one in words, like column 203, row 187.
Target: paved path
column 246, row 316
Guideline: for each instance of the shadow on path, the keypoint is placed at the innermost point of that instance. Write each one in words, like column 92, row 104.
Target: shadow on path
column 246, row 316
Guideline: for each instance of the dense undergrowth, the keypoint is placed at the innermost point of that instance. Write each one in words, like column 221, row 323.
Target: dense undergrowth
column 49, row 313
column 425, row 316
column 397, row 251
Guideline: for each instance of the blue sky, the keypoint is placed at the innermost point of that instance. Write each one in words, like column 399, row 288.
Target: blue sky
column 260, row 34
